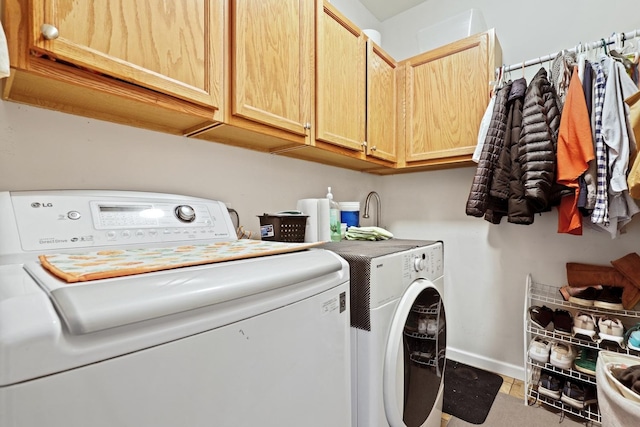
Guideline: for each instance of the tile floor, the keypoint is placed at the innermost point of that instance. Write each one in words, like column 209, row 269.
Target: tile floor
column 509, row 386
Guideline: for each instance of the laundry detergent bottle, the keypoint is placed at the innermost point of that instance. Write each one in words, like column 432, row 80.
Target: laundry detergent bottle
column 334, row 217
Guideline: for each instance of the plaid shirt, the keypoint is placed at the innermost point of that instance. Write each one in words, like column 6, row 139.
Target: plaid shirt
column 600, row 214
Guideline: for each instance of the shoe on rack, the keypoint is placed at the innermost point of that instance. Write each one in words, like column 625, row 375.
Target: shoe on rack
column 550, row 385
column 585, row 297
column 586, row 363
column 562, row 355
column 611, row 329
column 541, row 316
column 584, row 324
column 577, row 396
column 632, row 337
column 562, row 321
column 539, row 349
column 432, row 326
column 609, row 298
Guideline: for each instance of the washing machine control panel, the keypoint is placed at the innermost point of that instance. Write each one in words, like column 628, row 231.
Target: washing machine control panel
column 73, row 219
column 392, row 274
column 424, row 262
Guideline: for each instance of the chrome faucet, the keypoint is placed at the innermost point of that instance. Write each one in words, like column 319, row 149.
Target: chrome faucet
column 366, row 207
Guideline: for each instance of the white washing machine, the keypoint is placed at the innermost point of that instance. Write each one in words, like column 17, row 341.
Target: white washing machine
column 261, row 341
column 398, row 331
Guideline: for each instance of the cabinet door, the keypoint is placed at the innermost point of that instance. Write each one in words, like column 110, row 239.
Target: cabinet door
column 271, row 57
column 382, row 101
column 170, row 46
column 446, row 92
column 340, row 80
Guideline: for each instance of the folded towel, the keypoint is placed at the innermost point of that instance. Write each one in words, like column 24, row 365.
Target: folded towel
column 4, row 54
column 367, row 233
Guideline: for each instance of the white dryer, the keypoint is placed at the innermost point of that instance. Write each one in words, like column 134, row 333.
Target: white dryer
column 398, row 331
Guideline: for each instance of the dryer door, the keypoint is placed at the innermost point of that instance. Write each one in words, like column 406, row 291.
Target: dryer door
column 415, row 356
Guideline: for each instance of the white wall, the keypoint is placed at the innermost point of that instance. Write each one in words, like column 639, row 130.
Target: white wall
column 486, row 265
column 42, row 149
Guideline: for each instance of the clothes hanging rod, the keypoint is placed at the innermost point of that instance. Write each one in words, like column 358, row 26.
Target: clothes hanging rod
column 619, row 37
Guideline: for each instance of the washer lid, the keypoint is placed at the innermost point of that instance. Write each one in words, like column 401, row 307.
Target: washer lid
column 102, row 304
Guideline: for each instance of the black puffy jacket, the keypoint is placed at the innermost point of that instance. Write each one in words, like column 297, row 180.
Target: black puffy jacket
column 538, row 144
column 507, row 194
column 477, row 201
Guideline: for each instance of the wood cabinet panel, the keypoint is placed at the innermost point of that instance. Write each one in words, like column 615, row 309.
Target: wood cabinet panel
column 340, row 80
column 446, row 94
column 382, row 103
column 170, row 46
column 271, row 62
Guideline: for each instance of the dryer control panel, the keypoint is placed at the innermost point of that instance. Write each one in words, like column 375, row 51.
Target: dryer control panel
column 48, row 220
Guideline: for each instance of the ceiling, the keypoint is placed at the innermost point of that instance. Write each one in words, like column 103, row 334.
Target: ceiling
column 385, row 9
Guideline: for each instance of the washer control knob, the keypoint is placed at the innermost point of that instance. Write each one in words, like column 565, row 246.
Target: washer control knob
column 185, row 213
column 419, row 263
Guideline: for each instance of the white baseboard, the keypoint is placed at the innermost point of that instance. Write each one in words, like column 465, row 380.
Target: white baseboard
column 492, row 365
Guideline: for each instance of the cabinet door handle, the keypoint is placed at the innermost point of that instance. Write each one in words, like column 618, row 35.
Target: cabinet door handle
column 373, row 148
column 49, row 32
column 307, row 125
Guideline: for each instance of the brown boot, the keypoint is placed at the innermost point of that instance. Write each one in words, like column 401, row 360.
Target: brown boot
column 580, row 275
column 629, row 267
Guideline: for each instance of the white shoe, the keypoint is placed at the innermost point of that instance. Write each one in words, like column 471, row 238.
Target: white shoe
column 584, row 324
column 539, row 349
column 611, row 329
column 562, row 355
column 432, row 326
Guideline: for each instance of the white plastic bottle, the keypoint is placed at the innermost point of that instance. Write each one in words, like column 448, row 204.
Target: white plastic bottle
column 334, row 217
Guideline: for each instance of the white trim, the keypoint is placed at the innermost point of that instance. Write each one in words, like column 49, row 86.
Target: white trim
column 492, row 365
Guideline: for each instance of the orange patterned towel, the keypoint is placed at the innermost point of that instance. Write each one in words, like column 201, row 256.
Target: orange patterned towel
column 105, row 264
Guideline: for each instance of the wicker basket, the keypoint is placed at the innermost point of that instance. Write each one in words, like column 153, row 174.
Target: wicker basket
column 283, row 227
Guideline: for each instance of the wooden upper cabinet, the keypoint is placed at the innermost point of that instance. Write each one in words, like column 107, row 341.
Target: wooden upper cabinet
column 446, row 94
column 271, row 62
column 382, row 103
column 340, row 80
column 174, row 47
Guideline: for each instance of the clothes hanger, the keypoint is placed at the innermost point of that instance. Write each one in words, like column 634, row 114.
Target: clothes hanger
column 628, row 51
column 616, row 52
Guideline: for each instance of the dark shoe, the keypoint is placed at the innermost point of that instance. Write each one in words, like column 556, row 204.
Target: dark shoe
column 577, row 396
column 562, row 321
column 586, row 297
column 541, row 316
column 609, row 298
column 569, row 291
column 550, row 386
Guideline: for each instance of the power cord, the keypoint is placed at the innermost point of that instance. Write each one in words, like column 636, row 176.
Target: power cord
column 235, row 212
column 240, row 231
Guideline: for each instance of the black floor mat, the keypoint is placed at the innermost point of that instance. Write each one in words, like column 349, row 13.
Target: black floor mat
column 469, row 392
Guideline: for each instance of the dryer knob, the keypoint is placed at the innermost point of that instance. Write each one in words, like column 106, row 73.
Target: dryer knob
column 419, row 264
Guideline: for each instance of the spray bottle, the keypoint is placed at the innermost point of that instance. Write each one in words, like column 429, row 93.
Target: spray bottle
column 334, row 217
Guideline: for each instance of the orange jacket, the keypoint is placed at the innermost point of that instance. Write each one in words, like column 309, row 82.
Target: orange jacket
column 575, row 150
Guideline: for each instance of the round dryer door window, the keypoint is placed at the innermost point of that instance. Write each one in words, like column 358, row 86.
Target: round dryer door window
column 415, row 357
